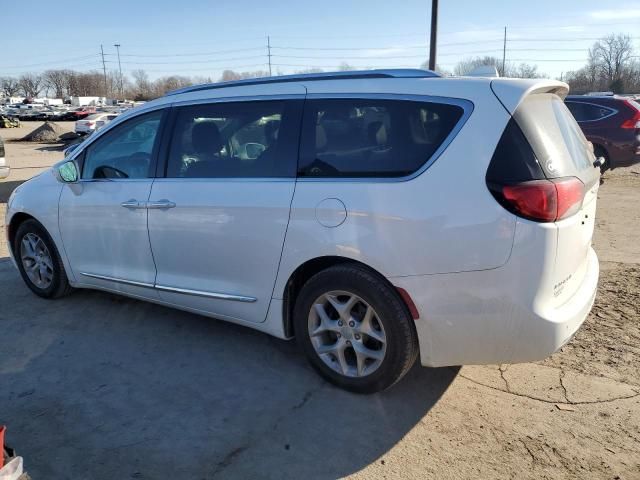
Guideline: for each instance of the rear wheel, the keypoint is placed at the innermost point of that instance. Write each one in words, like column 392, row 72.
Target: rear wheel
column 354, row 329
column 39, row 261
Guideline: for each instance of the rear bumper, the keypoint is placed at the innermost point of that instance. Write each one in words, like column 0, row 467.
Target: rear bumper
column 480, row 318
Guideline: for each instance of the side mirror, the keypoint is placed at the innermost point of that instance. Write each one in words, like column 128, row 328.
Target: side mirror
column 70, row 149
column 68, row 172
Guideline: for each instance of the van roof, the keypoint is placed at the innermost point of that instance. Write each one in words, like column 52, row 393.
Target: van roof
column 345, row 75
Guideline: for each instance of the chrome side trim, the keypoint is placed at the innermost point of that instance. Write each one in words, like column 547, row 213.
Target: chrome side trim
column 117, row 280
column 200, row 293
column 185, row 291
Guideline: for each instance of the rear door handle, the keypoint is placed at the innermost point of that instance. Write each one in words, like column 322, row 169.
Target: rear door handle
column 161, row 204
column 133, row 204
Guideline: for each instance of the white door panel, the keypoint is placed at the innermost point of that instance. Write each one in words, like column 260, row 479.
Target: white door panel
column 101, row 237
column 219, row 248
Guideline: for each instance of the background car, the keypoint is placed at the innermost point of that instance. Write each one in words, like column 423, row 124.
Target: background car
column 4, row 168
column 612, row 124
column 79, row 113
column 94, row 122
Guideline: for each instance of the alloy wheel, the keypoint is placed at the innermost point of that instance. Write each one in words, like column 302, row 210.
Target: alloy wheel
column 36, row 260
column 347, row 334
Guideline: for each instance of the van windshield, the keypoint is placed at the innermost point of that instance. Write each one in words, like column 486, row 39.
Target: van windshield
column 560, row 146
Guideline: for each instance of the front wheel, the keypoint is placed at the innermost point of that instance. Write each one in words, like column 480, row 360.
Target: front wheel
column 39, row 261
column 354, row 329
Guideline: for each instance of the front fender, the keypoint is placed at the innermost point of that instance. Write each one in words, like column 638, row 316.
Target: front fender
column 38, row 198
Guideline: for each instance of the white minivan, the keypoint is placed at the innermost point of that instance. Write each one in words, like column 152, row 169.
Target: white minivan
column 376, row 216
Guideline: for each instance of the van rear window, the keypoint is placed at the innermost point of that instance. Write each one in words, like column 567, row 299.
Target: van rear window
column 556, row 139
column 372, row 137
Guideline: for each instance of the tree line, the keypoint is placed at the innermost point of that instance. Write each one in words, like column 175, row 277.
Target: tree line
column 612, row 66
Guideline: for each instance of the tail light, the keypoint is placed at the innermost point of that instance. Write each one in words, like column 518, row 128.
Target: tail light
column 633, row 122
column 90, row 124
column 541, row 200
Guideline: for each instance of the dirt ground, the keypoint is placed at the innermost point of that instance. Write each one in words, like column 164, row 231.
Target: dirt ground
column 96, row 386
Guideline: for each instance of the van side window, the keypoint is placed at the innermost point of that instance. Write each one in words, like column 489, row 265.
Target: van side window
column 124, row 152
column 372, row 138
column 234, row 139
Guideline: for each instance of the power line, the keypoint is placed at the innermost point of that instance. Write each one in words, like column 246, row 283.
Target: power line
column 209, row 69
column 52, row 62
column 195, row 54
column 190, row 62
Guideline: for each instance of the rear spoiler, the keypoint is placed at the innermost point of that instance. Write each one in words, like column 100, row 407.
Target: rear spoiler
column 510, row 91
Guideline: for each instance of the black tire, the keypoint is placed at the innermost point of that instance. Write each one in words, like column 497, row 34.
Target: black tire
column 392, row 313
column 59, row 286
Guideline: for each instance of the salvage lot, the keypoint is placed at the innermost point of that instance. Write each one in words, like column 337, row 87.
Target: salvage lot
column 98, row 386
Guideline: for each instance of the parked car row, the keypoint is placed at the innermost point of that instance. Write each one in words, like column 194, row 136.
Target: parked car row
column 36, row 112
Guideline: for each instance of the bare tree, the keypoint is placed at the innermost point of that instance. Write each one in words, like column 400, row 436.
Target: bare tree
column 9, row 86
column 142, row 85
column 31, row 84
column 523, row 70
column 467, row 65
column 57, row 81
column 344, row 67
column 610, row 67
column 89, row 84
column 166, row 84
column 610, row 55
column 229, row 75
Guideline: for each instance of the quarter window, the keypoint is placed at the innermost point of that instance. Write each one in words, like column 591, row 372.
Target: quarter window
column 367, row 137
column 235, row 139
column 586, row 112
column 124, row 152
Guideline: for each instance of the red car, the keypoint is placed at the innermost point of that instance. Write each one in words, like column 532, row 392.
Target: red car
column 79, row 113
column 612, row 124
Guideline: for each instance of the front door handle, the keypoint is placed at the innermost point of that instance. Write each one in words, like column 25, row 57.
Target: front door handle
column 161, row 204
column 133, row 204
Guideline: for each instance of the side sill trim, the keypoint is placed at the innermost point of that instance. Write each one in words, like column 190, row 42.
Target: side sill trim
column 118, row 280
column 200, row 293
column 184, row 291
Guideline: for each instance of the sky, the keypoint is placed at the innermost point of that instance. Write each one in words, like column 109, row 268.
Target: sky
column 203, row 38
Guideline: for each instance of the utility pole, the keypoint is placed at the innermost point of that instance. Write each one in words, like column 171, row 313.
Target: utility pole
column 104, row 69
column 434, row 34
column 269, row 52
column 117, row 45
column 504, row 50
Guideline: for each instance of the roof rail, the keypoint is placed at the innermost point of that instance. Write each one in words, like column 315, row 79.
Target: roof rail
column 346, row 75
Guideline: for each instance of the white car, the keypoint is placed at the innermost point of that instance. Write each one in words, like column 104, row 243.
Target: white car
column 5, row 170
column 94, row 122
column 375, row 216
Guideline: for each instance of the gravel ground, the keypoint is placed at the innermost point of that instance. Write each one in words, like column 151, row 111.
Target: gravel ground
column 97, row 386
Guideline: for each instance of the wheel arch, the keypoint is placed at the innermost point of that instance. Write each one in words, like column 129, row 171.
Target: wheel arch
column 16, row 220
column 315, row 265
